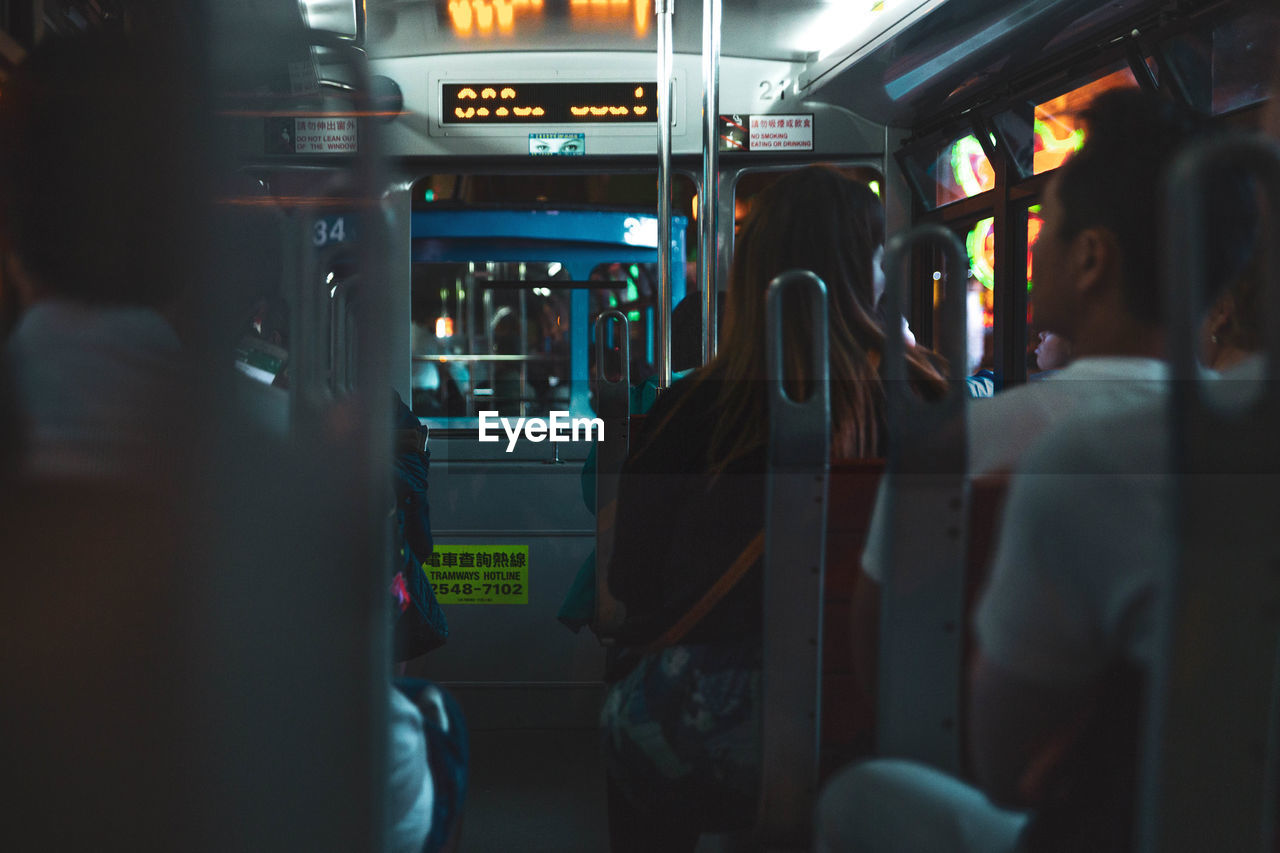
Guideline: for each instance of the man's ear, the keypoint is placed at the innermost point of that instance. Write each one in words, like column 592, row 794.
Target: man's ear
column 19, row 288
column 1219, row 319
column 1094, row 259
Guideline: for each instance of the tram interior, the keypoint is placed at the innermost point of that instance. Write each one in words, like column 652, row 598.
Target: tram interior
column 463, row 260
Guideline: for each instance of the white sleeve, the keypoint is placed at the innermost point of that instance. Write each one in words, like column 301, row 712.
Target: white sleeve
column 410, row 790
column 1037, row 618
column 873, row 552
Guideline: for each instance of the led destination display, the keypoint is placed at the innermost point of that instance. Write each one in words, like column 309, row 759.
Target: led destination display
column 548, row 103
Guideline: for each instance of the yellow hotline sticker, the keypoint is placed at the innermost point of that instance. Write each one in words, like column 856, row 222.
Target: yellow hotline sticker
column 479, row 574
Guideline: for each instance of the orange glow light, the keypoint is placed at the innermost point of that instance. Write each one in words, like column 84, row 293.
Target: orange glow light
column 460, row 14
column 608, row 14
column 467, row 15
column 506, row 15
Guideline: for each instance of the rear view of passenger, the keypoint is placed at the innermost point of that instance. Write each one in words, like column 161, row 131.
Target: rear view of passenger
column 681, row 727
column 1065, row 629
column 88, row 267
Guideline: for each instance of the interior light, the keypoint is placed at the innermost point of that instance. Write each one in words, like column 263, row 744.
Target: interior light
column 553, row 269
column 846, row 25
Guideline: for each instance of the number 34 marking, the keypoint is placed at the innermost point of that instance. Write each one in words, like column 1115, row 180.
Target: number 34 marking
column 326, row 232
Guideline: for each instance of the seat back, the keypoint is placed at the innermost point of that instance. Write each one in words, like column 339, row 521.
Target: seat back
column 613, row 400
column 847, row 713
column 1209, row 775
column 922, row 593
column 795, row 535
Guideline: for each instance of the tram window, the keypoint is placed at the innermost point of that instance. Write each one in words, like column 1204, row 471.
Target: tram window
column 1042, row 135
column 955, row 169
column 489, row 336
column 1034, row 223
column 1243, row 50
column 980, row 242
column 753, row 181
column 496, row 335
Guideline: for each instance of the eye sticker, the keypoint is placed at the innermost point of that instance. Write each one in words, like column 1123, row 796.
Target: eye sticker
column 557, row 144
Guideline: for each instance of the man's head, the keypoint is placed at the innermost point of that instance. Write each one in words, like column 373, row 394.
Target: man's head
column 91, row 146
column 1099, row 251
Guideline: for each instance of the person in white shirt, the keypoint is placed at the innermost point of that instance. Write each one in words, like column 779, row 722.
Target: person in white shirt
column 1066, row 615
column 1097, row 286
column 89, row 260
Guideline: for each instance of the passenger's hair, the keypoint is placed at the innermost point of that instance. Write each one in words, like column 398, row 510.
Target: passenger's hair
column 820, row 220
column 91, row 142
column 1116, row 182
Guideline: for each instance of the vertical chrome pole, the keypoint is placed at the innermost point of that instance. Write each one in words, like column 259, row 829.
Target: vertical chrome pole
column 708, row 206
column 665, row 12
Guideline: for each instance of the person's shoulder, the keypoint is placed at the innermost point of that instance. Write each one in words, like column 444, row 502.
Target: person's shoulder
column 1128, row 442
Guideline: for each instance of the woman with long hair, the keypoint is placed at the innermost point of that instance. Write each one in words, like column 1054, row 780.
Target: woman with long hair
column 681, row 726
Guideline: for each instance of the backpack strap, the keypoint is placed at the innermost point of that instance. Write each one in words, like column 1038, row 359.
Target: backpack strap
column 748, row 557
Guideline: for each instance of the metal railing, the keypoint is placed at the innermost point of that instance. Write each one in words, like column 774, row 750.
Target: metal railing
column 1208, row 779
column 922, row 593
column 794, row 572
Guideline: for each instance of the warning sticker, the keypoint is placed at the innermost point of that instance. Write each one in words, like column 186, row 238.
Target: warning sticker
column 311, row 135
column 781, row 133
column 479, row 574
column 557, row 144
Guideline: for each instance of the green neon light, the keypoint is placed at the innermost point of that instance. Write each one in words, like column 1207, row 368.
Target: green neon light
column 983, row 267
column 966, row 154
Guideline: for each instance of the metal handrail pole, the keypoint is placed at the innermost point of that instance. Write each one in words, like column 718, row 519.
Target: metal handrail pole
column 708, row 202
column 665, row 10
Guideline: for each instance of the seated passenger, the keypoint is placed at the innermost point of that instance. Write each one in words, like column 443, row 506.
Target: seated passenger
column 578, row 607
column 426, row 722
column 85, row 262
column 1098, row 285
column 1232, row 331
column 1053, row 352
column 1065, row 626
column 681, row 728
